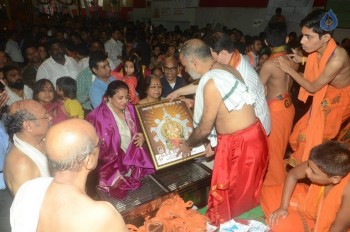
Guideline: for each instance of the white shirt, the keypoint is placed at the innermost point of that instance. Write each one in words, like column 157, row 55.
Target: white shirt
column 27, row 94
column 52, row 70
column 114, row 49
column 84, row 63
column 252, row 80
column 14, row 51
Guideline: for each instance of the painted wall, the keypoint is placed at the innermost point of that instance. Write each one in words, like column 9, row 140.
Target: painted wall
column 249, row 20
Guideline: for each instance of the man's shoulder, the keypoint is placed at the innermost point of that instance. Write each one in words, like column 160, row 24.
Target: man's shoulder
column 18, row 162
column 109, row 217
column 340, row 54
column 17, row 157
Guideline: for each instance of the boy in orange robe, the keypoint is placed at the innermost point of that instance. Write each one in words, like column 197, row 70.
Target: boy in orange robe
column 325, row 206
column 277, row 85
column 326, row 78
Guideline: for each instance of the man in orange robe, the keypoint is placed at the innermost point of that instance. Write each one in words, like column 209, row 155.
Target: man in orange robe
column 277, row 84
column 325, row 206
column 326, row 78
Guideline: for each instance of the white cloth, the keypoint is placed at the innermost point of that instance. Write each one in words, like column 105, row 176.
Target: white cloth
column 84, row 63
column 124, row 130
column 234, row 93
column 52, row 70
column 34, row 154
column 114, row 49
column 255, row 59
column 25, row 209
column 252, row 80
column 12, row 48
column 27, row 94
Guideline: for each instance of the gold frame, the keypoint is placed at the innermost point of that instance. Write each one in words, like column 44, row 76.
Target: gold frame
column 156, row 120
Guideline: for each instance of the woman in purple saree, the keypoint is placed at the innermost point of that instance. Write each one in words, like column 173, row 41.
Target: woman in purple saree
column 124, row 159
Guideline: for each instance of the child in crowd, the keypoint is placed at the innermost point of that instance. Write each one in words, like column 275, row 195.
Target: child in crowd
column 153, row 89
column 131, row 74
column 158, row 72
column 325, row 205
column 67, row 90
column 44, row 93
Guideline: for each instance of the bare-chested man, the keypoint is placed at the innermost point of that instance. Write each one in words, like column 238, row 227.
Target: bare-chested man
column 277, row 84
column 61, row 203
column 28, row 123
column 224, row 102
column 327, row 78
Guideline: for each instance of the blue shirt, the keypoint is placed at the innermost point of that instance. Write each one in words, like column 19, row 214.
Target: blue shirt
column 4, row 144
column 97, row 90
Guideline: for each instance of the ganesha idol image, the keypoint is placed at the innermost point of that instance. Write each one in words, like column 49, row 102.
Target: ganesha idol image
column 170, row 130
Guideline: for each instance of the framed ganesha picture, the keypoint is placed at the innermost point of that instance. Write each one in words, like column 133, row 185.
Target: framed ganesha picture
column 164, row 124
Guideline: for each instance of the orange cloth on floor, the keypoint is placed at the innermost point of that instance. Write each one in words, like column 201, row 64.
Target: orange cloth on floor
column 313, row 208
column 282, row 115
column 330, row 108
column 239, row 167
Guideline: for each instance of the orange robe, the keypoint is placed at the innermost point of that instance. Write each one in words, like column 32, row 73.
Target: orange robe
column 311, row 210
column 330, row 108
column 239, row 167
column 282, row 115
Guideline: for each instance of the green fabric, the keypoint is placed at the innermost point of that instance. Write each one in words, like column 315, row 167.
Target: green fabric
column 253, row 214
column 84, row 82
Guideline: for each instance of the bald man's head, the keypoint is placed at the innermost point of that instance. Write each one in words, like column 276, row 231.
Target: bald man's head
column 68, row 144
column 195, row 48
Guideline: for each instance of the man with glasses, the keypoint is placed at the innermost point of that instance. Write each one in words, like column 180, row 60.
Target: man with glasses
column 73, row 149
column 171, row 82
column 27, row 124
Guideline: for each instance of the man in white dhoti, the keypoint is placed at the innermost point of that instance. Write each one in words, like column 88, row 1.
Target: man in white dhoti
column 28, row 123
column 61, row 203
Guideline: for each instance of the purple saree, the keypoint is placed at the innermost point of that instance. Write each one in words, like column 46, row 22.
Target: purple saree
column 114, row 163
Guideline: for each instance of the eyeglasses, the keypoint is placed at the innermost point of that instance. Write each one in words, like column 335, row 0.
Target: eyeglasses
column 46, row 117
column 170, row 69
column 98, row 145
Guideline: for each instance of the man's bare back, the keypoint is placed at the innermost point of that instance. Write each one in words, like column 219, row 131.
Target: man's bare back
column 276, row 81
column 214, row 109
column 84, row 214
column 340, row 59
column 19, row 168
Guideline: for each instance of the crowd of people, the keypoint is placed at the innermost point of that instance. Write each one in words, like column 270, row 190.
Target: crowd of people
column 68, row 107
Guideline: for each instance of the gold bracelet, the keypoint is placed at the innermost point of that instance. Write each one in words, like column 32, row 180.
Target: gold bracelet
column 303, row 60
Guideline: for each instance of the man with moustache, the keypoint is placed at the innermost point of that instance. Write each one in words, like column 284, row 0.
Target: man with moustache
column 27, row 124
column 15, row 86
column 58, row 65
column 61, row 203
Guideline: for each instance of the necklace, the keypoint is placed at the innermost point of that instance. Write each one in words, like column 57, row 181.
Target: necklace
column 211, row 66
